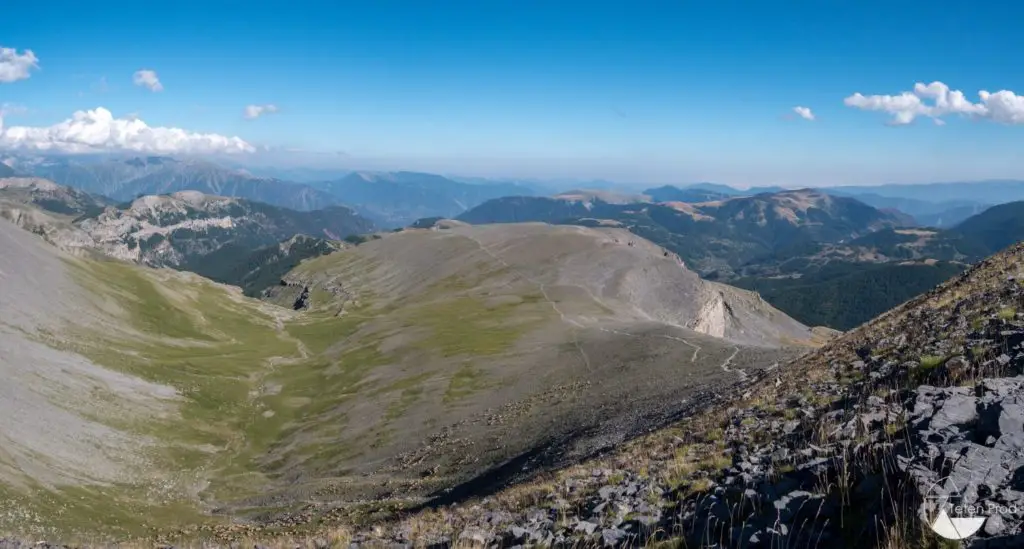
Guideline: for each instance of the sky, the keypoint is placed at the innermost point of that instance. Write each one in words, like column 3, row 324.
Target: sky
column 792, row 93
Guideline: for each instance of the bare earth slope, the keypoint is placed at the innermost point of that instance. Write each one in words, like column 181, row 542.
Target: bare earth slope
column 529, row 339
column 58, row 406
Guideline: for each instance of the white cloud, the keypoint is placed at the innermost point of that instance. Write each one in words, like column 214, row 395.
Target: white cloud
column 14, row 67
column 1003, row 106
column 148, row 79
column 255, row 111
column 804, row 112
column 97, row 130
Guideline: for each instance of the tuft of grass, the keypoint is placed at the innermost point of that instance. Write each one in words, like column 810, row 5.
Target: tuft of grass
column 1007, row 313
column 466, row 381
column 715, row 434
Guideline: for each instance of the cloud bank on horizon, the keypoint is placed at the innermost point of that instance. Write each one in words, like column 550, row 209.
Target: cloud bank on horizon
column 98, row 130
column 1004, row 106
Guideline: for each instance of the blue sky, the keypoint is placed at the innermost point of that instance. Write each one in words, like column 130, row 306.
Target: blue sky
column 669, row 92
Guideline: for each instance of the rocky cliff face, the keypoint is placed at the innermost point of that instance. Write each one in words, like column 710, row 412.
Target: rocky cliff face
column 188, row 230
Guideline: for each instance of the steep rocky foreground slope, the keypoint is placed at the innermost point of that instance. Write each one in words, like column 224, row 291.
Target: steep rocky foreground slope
column 859, row 444
column 429, row 364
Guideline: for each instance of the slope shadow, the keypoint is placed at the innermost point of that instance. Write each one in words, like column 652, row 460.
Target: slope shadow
column 550, row 455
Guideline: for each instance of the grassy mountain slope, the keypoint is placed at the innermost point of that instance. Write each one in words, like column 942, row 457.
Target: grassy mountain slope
column 155, row 399
column 765, row 241
column 839, row 448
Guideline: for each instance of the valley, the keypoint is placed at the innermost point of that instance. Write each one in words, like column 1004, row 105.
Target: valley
column 424, row 361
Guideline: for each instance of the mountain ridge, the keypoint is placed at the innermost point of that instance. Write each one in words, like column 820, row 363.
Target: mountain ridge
column 125, row 178
column 210, row 235
column 399, row 198
column 751, row 226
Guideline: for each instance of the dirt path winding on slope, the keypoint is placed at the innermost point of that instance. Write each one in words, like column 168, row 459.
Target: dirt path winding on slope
column 575, row 326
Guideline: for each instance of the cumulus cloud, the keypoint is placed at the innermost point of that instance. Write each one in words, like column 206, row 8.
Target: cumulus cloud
column 937, row 100
column 15, row 66
column 147, row 79
column 97, row 130
column 253, row 112
column 804, row 112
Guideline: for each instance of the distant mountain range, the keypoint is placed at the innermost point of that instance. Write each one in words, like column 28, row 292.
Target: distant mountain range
column 125, row 178
column 218, row 237
column 926, row 210
column 396, row 199
column 845, row 284
column 668, row 193
column 391, row 199
column 802, row 249
column 967, row 192
column 711, row 236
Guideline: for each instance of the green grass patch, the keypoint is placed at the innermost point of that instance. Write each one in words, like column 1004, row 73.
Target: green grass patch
column 150, row 310
column 1007, row 313
column 398, row 408
column 320, row 332
column 468, row 326
column 216, row 369
column 927, row 365
column 466, row 381
column 92, row 513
